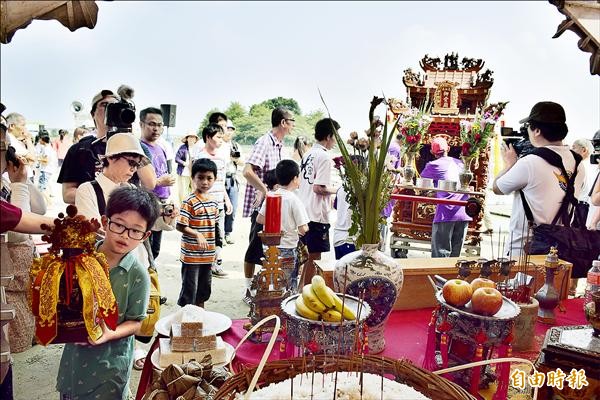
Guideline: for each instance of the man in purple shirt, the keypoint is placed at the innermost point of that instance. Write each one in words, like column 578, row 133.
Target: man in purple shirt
column 151, row 123
column 450, row 222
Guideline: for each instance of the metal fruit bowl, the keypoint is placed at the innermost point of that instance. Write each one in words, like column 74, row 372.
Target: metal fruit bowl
column 508, row 311
column 326, row 337
column 288, row 306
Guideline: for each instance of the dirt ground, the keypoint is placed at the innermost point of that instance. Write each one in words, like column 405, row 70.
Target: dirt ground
column 34, row 371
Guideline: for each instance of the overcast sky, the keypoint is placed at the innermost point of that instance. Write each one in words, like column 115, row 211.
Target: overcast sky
column 200, row 55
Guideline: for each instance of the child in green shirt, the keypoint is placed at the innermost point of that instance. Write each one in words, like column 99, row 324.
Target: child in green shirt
column 101, row 369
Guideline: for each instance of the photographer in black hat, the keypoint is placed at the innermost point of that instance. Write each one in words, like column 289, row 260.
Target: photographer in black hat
column 543, row 185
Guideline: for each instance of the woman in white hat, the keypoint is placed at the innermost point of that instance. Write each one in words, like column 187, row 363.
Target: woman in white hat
column 182, row 158
column 123, row 156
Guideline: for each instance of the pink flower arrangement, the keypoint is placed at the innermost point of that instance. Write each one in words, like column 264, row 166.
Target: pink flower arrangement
column 476, row 134
column 413, row 126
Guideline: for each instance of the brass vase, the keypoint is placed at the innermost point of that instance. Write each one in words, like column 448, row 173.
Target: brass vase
column 409, row 171
column 466, row 175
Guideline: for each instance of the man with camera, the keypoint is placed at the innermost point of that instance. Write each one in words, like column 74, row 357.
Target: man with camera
column 152, row 125
column 82, row 162
column 542, row 184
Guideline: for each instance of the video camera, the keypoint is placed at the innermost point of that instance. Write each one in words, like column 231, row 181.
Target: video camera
column 595, row 156
column 518, row 139
column 120, row 116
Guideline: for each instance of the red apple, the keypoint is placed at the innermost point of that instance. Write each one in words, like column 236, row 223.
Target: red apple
column 486, row 301
column 457, row 292
column 482, row 282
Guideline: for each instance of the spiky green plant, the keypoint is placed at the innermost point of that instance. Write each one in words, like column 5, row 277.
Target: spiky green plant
column 368, row 183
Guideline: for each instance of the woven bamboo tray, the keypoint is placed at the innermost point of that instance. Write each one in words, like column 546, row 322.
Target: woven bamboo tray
column 433, row 386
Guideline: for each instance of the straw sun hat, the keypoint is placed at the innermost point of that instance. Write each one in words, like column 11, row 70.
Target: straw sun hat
column 120, row 143
column 183, row 139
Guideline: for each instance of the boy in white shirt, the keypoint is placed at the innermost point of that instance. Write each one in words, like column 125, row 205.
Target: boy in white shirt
column 294, row 220
column 212, row 135
column 316, row 192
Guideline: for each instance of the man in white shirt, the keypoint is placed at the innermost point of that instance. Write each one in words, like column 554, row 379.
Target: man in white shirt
column 542, row 184
column 316, row 193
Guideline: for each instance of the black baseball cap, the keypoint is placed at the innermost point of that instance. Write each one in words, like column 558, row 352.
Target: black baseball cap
column 546, row 112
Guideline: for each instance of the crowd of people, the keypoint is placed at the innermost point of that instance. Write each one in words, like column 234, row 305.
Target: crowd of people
column 129, row 184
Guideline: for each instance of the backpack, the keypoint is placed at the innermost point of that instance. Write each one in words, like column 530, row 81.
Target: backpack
column 574, row 242
column 153, row 311
column 146, row 331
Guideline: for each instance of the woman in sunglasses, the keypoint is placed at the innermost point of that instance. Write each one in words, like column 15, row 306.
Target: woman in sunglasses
column 123, row 156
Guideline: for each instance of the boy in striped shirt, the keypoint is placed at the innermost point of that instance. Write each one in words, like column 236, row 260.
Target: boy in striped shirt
column 197, row 221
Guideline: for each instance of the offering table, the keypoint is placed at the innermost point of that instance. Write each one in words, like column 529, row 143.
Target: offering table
column 417, row 291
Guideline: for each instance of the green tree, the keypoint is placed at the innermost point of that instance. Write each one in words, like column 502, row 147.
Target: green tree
column 252, row 124
column 235, row 111
column 290, row 104
column 205, row 120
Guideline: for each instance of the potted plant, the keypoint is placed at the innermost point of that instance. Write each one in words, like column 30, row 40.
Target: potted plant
column 368, row 272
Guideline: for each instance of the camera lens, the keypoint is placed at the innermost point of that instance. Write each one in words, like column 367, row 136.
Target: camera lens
column 127, row 116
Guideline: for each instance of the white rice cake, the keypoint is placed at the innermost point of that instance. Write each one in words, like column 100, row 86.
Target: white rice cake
column 192, row 321
column 348, row 387
column 218, row 354
column 167, row 355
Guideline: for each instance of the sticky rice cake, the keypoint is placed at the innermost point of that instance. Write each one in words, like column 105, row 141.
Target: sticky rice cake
column 179, row 342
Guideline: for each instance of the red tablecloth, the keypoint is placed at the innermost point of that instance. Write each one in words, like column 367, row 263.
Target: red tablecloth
column 405, row 335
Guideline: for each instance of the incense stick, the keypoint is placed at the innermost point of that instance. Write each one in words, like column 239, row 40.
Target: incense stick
column 312, row 383
column 499, row 237
column 324, row 352
column 358, row 313
column 381, row 377
column 292, row 385
column 362, row 367
column 303, row 360
column 492, row 243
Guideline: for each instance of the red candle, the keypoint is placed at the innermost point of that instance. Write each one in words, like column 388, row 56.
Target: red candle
column 273, row 214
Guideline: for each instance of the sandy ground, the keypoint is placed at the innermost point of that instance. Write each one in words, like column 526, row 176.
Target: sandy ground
column 34, row 371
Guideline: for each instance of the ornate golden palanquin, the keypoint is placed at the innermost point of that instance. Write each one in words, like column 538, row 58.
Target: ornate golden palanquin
column 70, row 286
column 456, row 91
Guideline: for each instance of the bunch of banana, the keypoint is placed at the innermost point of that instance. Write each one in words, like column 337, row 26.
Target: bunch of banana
column 318, row 302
